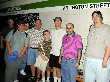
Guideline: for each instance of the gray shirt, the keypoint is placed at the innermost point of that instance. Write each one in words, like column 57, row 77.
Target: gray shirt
column 98, row 40
column 17, row 40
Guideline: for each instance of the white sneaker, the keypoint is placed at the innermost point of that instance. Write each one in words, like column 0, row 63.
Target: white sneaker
column 22, row 72
column 16, row 81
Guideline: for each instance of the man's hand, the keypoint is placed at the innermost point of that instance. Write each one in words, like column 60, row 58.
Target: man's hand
column 10, row 52
column 104, row 64
column 59, row 60
column 77, row 65
column 21, row 54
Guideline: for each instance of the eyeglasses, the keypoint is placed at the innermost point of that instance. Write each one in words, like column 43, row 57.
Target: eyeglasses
column 68, row 27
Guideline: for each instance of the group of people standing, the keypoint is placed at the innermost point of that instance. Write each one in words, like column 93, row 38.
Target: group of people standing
column 63, row 48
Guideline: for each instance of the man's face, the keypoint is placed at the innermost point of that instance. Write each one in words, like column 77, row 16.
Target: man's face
column 57, row 23
column 38, row 24
column 46, row 35
column 69, row 29
column 21, row 26
column 10, row 23
column 26, row 26
column 96, row 18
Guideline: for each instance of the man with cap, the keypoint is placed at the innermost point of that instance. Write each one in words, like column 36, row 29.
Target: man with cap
column 57, row 35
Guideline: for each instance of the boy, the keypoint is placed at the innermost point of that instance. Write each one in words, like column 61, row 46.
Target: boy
column 46, row 45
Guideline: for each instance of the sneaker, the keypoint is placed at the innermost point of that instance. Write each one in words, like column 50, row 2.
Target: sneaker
column 16, row 81
column 22, row 72
column 32, row 78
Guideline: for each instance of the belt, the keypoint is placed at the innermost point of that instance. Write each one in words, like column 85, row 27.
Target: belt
column 33, row 47
column 69, row 58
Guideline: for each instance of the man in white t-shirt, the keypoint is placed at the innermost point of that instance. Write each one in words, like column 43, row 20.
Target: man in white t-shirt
column 57, row 35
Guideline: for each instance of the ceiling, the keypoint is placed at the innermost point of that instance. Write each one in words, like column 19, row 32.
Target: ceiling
column 12, row 3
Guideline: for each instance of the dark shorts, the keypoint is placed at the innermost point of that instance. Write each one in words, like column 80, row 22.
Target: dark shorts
column 54, row 61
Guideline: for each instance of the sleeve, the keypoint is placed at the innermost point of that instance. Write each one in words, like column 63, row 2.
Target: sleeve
column 78, row 42
column 50, row 34
column 107, row 38
column 9, row 35
column 63, row 39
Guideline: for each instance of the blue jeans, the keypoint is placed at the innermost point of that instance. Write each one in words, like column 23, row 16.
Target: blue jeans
column 23, row 62
column 68, row 70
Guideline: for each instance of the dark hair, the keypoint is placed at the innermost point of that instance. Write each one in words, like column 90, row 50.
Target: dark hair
column 46, row 31
column 14, row 25
column 21, row 22
column 38, row 19
column 57, row 18
column 98, row 13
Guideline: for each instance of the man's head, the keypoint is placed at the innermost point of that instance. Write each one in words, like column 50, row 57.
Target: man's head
column 22, row 25
column 10, row 22
column 38, row 24
column 97, row 17
column 69, row 28
column 46, row 34
column 57, row 22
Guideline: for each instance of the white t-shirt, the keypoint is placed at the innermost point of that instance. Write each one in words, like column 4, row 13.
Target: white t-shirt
column 57, row 36
column 98, row 40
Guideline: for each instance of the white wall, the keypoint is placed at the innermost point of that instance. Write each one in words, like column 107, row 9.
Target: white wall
column 80, row 18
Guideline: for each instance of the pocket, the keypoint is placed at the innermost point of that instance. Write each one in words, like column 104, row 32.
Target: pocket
column 73, row 60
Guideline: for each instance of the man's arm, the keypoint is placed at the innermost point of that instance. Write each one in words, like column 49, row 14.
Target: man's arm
column 25, row 47
column 8, row 46
column 61, row 51
column 79, row 56
column 106, row 57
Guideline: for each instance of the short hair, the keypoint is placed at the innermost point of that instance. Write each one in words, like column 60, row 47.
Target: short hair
column 57, row 18
column 38, row 19
column 98, row 13
column 46, row 31
column 21, row 22
column 70, row 24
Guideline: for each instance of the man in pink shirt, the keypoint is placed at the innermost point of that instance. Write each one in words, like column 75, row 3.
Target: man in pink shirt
column 70, row 54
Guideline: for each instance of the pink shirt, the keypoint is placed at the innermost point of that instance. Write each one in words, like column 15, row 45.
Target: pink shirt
column 71, row 45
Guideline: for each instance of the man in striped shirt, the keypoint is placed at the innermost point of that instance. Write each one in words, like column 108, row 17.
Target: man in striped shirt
column 34, row 38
